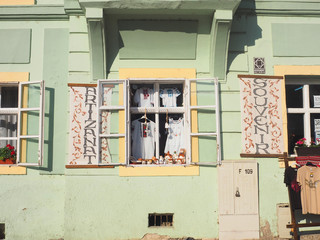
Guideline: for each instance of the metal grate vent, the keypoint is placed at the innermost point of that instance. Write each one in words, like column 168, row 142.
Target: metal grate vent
column 2, row 231
column 160, row 219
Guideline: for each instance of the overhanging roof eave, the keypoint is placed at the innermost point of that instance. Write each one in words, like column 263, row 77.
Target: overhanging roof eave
column 230, row 5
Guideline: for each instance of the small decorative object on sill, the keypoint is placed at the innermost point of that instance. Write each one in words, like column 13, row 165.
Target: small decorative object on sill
column 181, row 156
column 168, row 158
column 7, row 155
column 302, row 149
column 174, row 157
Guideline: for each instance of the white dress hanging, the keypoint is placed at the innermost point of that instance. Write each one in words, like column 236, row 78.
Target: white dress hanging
column 143, row 139
column 175, row 140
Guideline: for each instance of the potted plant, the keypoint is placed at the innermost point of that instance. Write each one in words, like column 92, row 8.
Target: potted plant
column 303, row 149
column 8, row 155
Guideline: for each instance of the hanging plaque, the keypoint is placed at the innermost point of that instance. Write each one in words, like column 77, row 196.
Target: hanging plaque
column 261, row 114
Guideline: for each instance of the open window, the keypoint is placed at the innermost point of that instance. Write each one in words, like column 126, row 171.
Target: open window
column 21, row 116
column 303, row 109
column 157, row 121
column 157, row 117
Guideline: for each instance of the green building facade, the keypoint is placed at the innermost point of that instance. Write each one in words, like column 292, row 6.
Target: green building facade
column 71, row 44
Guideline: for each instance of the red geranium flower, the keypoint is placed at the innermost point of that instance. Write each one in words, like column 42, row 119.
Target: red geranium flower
column 13, row 153
column 10, row 147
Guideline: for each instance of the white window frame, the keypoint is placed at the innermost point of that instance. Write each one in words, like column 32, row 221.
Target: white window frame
column 215, row 107
column 9, row 111
column 157, row 109
column 306, row 109
column 19, row 111
column 101, row 108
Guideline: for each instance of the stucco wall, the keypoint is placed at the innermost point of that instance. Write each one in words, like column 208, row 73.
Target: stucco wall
column 53, row 202
column 259, row 36
column 34, row 202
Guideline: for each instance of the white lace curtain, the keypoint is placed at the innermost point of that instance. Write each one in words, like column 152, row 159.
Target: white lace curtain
column 8, row 128
column 8, row 122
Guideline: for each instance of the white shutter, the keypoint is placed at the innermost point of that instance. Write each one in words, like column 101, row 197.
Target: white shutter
column 204, row 105
column 30, row 124
column 110, row 105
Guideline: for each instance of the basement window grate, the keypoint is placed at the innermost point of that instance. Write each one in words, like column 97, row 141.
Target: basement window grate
column 160, row 220
column 2, row 231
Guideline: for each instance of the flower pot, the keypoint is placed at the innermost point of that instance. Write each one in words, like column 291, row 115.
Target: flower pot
column 7, row 161
column 308, row 151
column 10, row 161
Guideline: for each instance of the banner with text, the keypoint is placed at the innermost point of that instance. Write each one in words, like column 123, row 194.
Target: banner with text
column 261, row 115
column 83, row 135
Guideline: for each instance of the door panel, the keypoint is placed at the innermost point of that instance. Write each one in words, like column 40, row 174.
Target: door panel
column 245, row 188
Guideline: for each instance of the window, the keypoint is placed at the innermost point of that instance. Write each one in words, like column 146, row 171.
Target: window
column 160, row 220
column 21, row 120
column 158, row 121
column 303, row 110
column 8, row 120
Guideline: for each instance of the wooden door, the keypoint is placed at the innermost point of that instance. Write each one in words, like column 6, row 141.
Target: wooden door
column 238, row 200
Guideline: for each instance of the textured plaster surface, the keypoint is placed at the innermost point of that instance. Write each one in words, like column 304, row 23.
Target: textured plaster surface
column 97, row 203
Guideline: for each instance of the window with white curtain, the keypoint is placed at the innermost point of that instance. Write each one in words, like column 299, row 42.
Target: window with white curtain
column 157, row 121
column 8, row 116
column 21, row 120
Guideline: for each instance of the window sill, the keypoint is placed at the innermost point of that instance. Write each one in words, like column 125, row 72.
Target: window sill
column 159, row 170
column 158, row 165
column 88, row 166
column 6, row 169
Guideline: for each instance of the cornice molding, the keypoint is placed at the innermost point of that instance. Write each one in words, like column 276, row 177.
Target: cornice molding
column 280, row 8
column 32, row 12
column 282, row 13
column 164, row 5
column 72, row 7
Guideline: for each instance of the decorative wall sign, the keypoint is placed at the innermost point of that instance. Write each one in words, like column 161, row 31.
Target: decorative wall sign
column 261, row 115
column 83, row 119
column 259, row 65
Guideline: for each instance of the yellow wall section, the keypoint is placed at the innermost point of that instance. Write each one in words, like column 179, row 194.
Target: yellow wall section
column 156, row 170
column 16, row 2
column 194, row 123
column 13, row 77
column 284, row 115
column 122, row 140
column 23, row 144
column 282, row 70
column 125, row 73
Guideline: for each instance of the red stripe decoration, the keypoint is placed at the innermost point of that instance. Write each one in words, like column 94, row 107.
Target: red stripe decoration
column 302, row 160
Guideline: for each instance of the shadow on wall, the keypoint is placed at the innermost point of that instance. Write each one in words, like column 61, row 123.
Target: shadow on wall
column 49, row 131
column 152, row 39
column 48, row 135
column 244, row 32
